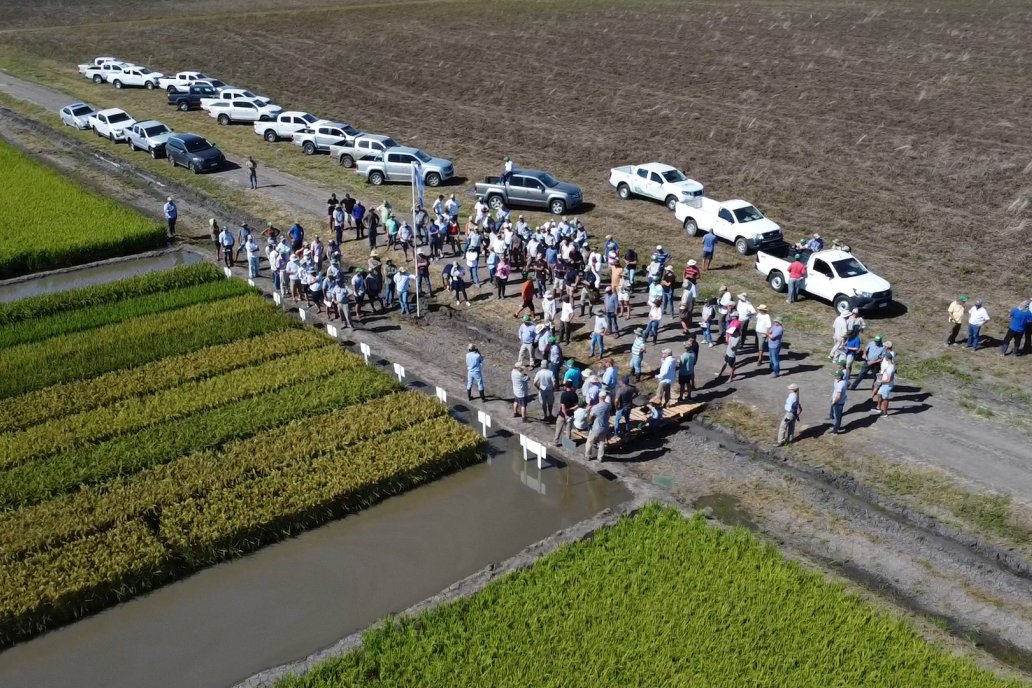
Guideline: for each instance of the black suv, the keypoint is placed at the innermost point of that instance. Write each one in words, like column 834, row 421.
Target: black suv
column 193, row 152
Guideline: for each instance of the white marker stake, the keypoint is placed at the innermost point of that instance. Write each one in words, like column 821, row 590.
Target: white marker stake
column 332, row 331
column 277, row 299
column 229, row 273
column 399, row 370
column 250, row 281
column 364, row 348
column 442, row 395
column 484, row 420
column 532, row 447
column 301, row 313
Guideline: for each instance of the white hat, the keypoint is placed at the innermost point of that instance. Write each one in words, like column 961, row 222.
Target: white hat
column 659, row 247
column 692, row 262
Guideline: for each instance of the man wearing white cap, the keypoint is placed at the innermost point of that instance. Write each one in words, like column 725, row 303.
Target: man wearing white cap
column 667, row 373
column 746, row 311
column 763, row 324
column 171, row 215
column 793, row 412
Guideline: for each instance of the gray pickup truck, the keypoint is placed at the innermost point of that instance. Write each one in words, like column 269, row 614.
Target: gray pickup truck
column 530, row 188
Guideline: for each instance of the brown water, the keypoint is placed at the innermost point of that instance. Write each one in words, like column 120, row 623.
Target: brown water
column 286, row 601
column 96, row 274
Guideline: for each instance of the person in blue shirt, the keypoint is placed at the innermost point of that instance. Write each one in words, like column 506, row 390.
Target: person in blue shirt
column 474, row 372
column 359, row 214
column 573, row 374
column 1020, row 317
column 873, row 355
column 171, row 215
column 852, row 347
column 297, row 236
column 815, row 243
column 709, row 245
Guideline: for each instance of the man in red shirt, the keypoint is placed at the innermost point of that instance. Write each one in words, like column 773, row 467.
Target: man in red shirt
column 796, row 275
column 691, row 272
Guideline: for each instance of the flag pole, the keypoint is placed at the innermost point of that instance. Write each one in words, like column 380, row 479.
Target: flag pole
column 416, row 170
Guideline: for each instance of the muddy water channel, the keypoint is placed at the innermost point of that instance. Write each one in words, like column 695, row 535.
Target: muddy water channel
column 285, row 601
column 97, row 273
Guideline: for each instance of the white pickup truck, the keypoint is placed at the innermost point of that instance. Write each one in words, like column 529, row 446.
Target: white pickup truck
column 181, row 80
column 283, row 125
column 231, row 94
column 227, row 111
column 832, row 275
column 322, row 134
column 366, row 146
column 96, row 62
column 136, row 76
column 106, row 72
column 654, row 180
column 111, row 123
column 736, row 221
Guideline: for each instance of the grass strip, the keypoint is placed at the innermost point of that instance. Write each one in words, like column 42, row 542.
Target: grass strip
column 99, row 294
column 51, row 222
column 228, row 522
column 82, row 355
column 157, row 444
column 97, row 507
column 18, row 413
column 133, row 414
column 64, row 583
column 40, row 329
column 655, row 600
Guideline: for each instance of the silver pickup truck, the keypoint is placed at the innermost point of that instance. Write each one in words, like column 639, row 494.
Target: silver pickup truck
column 531, row 188
column 395, row 165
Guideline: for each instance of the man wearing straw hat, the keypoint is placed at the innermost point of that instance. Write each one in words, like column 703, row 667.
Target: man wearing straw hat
column 793, row 412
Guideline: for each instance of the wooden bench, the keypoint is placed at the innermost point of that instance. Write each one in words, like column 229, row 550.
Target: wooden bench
column 671, row 414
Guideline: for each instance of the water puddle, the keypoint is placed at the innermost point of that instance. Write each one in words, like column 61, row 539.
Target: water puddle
column 726, row 509
column 288, row 600
column 96, row 274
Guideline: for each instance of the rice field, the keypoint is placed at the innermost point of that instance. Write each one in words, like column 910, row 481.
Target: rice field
column 48, row 221
column 655, row 600
column 187, row 422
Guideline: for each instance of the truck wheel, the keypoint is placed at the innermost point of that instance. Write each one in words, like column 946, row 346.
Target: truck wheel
column 184, row 106
column 557, row 206
column 842, row 304
column 691, row 227
column 376, row 178
column 154, row 153
column 433, row 179
column 116, row 83
column 742, row 246
column 194, row 168
column 623, row 191
column 170, row 89
column 224, row 119
column 132, row 146
column 308, row 148
column 98, row 79
column 495, row 202
column 346, row 161
column 111, row 136
column 671, row 203
column 149, row 85
column 270, row 136
column 777, row 282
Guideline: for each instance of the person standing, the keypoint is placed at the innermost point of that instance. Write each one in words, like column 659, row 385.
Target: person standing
column 977, row 317
column 611, row 302
column 793, row 412
column 331, row 205
column 630, row 267
column 655, row 318
column 686, row 369
column 544, row 382
column 709, row 246
column 745, row 311
column 372, row 222
column 598, row 333
column 226, row 240
column 520, row 392
column 253, row 256
column 774, row 337
column 252, row 172
column 423, row 273
column 337, row 222
column 666, row 283
column 1019, row 318
column 527, row 295
column 730, row 353
column 567, row 407
column 873, row 355
column 402, row 281
column 474, row 372
column 599, row 433
column 358, row 214
column 624, row 402
column 666, row 376
column 838, row 402
column 838, row 333
column 796, row 277
column 213, row 228
column 763, row 324
column 724, row 303
column 171, row 215
column 955, row 314
column 565, row 319
column 526, row 335
column 1026, row 348
column 886, row 381
column 458, row 284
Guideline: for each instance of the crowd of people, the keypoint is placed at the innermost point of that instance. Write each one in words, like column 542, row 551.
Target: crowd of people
column 567, row 280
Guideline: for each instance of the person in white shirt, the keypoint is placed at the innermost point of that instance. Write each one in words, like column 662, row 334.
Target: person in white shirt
column 724, row 302
column 548, row 305
column 763, row 324
column 667, row 373
column 886, row 381
column 839, row 329
column 977, row 316
column 745, row 313
column 544, row 381
column 565, row 319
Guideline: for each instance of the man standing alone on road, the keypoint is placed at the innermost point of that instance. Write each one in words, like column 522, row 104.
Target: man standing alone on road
column 171, row 214
column 796, row 275
column 252, row 172
column 793, row 412
column 955, row 312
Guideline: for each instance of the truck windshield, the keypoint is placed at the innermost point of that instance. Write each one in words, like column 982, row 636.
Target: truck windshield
column 389, row 142
column 117, row 117
column 197, row 145
column 156, row 130
column 548, row 180
column 674, row 176
column 747, row 214
column 350, row 130
column 849, row 267
column 311, row 119
column 423, row 157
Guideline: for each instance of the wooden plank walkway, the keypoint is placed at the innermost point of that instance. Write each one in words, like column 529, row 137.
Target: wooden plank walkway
column 675, row 413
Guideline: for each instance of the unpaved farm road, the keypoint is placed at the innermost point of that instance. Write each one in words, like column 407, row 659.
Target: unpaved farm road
column 921, row 430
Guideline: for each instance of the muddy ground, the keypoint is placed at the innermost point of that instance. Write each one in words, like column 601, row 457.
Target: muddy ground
column 964, row 585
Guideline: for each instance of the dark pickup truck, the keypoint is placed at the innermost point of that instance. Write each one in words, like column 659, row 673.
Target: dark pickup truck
column 190, row 99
